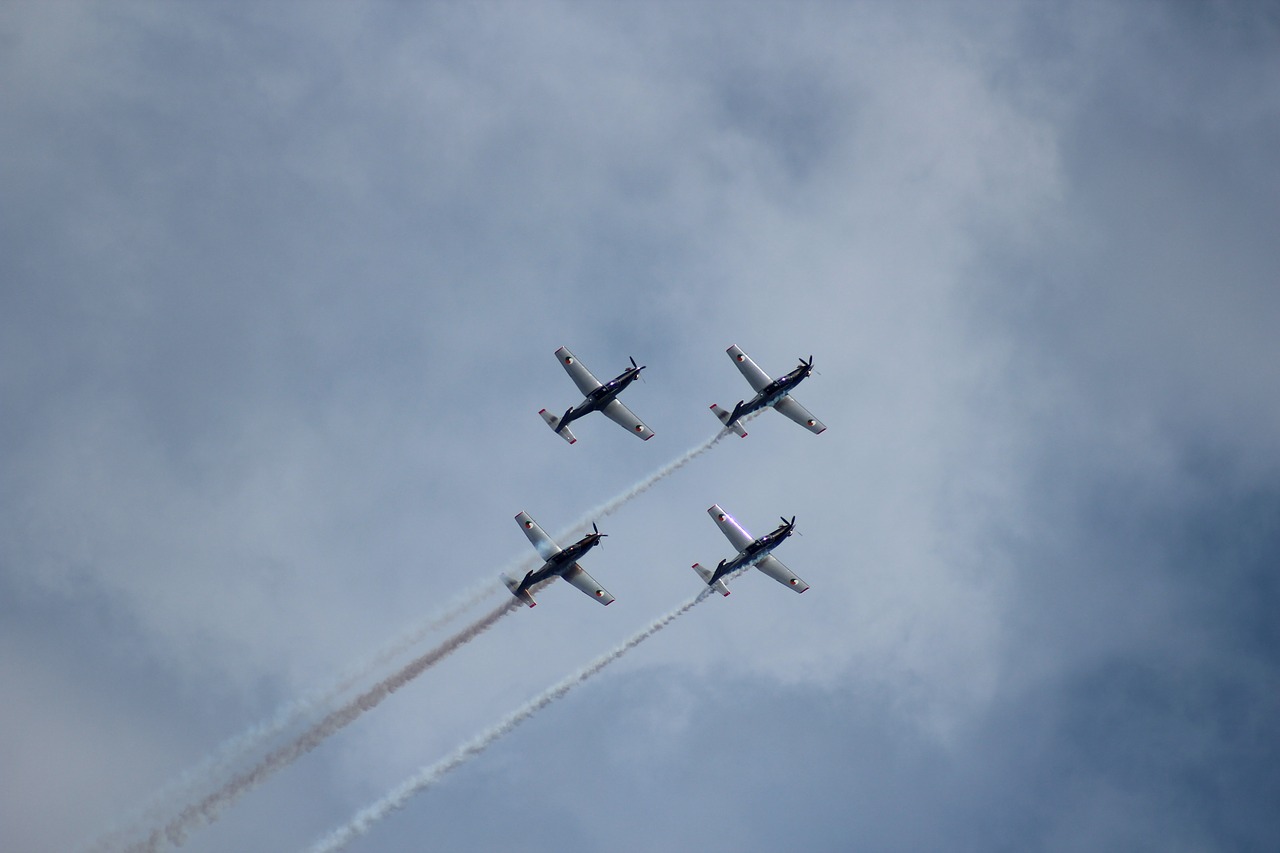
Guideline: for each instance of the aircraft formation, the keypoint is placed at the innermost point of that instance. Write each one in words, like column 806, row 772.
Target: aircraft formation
column 603, row 397
column 204, row 806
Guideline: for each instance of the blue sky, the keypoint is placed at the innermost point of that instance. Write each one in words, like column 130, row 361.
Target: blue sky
column 279, row 291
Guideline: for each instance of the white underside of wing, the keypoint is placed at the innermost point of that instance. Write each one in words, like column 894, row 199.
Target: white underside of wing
column 617, row 412
column 738, row 537
column 756, row 377
column 542, row 543
column 798, row 413
column 583, row 581
column 774, row 568
column 577, row 371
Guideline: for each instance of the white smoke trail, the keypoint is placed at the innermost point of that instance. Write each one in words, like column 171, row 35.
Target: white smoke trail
column 616, row 503
column 223, row 757
column 428, row 776
column 612, row 505
column 210, row 807
column 232, row 750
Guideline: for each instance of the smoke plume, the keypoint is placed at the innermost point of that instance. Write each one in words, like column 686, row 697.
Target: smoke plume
column 431, row 774
column 208, row 809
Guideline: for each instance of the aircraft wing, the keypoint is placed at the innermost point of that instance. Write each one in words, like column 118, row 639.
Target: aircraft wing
column 738, row 537
column 625, row 418
column 798, row 413
column 583, row 581
column 757, row 377
column 577, row 371
column 774, row 568
column 545, row 545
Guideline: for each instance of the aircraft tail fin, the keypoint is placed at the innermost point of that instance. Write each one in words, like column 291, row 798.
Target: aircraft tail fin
column 724, row 419
column 554, row 423
column 705, row 574
column 518, row 590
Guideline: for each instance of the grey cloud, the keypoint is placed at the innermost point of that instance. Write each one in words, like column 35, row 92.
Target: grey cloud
column 280, row 298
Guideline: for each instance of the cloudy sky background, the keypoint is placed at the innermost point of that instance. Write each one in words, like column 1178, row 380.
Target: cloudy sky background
column 279, row 290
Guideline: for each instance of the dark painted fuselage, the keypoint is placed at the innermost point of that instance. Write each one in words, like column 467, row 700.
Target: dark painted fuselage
column 754, row 552
column 560, row 563
column 601, row 397
column 771, row 393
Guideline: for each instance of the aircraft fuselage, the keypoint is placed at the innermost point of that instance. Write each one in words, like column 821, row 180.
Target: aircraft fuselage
column 560, row 563
column 601, row 397
column 753, row 553
column 771, row 393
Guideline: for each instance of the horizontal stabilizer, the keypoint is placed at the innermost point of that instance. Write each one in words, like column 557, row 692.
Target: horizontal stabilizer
column 724, row 419
column 705, row 574
column 554, row 423
column 522, row 594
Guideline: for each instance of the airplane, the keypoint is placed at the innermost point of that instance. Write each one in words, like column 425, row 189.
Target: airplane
column 602, row 398
column 751, row 552
column 562, row 562
column 769, row 392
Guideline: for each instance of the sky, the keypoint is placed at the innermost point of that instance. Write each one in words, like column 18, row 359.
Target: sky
column 280, row 288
